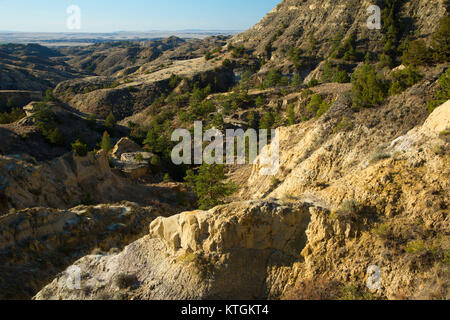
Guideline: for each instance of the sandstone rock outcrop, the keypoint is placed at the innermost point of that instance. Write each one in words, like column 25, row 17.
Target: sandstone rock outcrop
column 125, row 145
column 235, row 251
column 60, row 183
column 36, row 244
column 69, row 181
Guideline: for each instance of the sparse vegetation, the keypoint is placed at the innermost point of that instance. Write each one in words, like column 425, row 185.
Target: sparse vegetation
column 349, row 208
column 209, row 185
column 318, row 288
column 445, row 135
column 125, row 281
column 344, row 125
column 396, row 219
column 443, row 92
column 439, row 149
column 383, row 231
column 369, row 89
column 378, row 156
column 80, row 148
column 354, row 292
column 403, row 79
column 414, row 247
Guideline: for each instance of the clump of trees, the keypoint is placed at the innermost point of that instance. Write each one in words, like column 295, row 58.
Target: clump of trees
column 237, row 52
column 210, row 185
column 369, row 89
column 441, row 41
column 347, row 50
column 275, row 79
column 391, row 29
column 47, row 122
column 334, row 74
column 418, row 53
column 295, row 56
column 403, row 79
column 9, row 113
column 317, row 106
column 10, row 117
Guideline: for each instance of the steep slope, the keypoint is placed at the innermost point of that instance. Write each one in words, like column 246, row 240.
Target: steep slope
column 293, row 22
column 319, row 152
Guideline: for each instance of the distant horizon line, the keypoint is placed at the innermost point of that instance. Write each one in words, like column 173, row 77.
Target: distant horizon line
column 123, row 31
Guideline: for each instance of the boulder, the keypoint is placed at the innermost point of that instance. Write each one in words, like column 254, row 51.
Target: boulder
column 29, row 109
column 125, row 145
column 132, row 157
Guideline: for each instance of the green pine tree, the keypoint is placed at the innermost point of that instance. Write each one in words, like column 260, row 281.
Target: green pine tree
column 49, row 97
column 110, row 121
column 296, row 80
column 441, row 41
column 55, row 137
column 106, row 143
column 80, row 148
column 217, row 121
column 209, row 185
column 369, row 90
column 267, row 121
column 291, row 119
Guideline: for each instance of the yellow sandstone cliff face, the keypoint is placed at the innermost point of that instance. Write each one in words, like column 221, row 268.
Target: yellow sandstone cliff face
column 229, row 252
column 59, row 183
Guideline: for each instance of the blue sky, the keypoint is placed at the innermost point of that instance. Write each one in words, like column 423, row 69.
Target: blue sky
column 133, row 15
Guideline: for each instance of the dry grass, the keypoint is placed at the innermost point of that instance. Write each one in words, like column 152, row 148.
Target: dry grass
column 319, row 288
column 125, row 281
